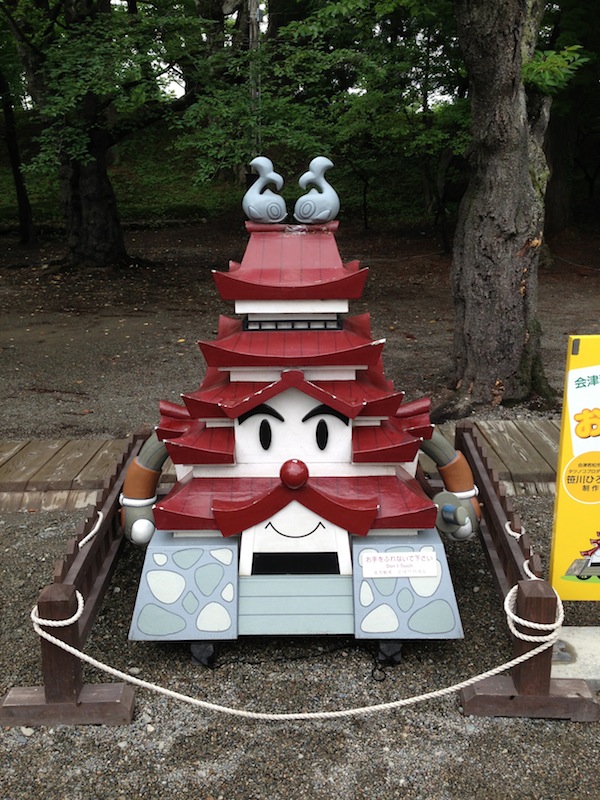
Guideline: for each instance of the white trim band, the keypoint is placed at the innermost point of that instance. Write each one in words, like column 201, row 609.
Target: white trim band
column 474, row 492
column 134, row 502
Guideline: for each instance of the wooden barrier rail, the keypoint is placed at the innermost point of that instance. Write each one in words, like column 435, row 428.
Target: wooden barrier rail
column 529, row 691
column 64, row 698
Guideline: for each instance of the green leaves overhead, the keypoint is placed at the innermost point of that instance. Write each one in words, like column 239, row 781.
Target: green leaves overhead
column 549, row 71
column 357, row 79
column 365, row 81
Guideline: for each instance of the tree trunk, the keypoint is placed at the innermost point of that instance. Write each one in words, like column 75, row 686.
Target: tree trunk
column 26, row 228
column 94, row 233
column 560, row 148
column 499, row 229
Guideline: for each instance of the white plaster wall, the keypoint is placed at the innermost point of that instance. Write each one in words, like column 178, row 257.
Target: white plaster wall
column 293, row 438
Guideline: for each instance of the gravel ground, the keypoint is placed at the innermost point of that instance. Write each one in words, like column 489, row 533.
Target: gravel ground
column 78, row 362
column 171, row 750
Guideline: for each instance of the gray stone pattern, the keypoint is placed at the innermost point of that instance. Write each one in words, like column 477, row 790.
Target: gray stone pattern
column 188, row 590
column 403, row 607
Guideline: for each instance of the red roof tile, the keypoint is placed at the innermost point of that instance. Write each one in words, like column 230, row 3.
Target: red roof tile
column 295, row 262
column 385, row 443
column 202, row 445
column 367, row 395
column 296, row 348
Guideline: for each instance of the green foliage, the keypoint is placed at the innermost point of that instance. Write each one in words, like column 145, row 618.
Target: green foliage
column 377, row 85
column 43, row 192
column 54, row 140
column 151, row 178
column 99, row 69
column 549, row 71
column 358, row 80
column 264, row 103
column 375, row 108
column 9, row 61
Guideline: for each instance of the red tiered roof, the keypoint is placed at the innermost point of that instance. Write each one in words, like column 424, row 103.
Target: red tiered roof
column 397, row 440
column 235, row 347
column 364, row 396
column 201, row 445
column 291, row 262
column 386, row 443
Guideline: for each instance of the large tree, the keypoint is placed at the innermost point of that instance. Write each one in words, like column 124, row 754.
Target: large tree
column 95, row 71
column 500, row 225
column 72, row 115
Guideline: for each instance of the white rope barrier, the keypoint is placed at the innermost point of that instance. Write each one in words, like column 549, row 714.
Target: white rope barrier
column 93, row 532
column 513, row 620
column 515, row 534
column 546, row 641
column 58, row 623
column 531, row 575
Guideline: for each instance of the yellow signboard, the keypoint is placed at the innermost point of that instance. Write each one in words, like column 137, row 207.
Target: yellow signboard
column 575, row 559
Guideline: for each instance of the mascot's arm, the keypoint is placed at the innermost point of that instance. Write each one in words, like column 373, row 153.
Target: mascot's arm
column 139, row 491
column 458, row 509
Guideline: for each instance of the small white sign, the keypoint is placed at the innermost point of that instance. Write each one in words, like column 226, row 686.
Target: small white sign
column 399, row 565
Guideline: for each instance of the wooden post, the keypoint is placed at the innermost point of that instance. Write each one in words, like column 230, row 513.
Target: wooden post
column 536, row 602
column 64, row 699
column 62, row 672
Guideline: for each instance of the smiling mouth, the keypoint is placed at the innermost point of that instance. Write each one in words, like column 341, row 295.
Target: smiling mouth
column 289, row 536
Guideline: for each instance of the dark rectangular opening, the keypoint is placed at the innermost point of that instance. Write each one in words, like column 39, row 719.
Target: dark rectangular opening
column 295, row 564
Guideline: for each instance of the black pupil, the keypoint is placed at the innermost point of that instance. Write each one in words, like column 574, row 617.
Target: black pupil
column 264, row 434
column 322, row 434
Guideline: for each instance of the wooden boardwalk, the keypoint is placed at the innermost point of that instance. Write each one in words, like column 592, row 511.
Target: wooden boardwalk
column 49, row 474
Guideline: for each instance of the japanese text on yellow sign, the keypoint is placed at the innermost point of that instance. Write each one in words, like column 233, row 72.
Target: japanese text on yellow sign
column 575, row 560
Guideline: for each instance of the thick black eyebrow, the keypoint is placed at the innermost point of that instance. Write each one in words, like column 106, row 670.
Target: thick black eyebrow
column 263, row 408
column 323, row 409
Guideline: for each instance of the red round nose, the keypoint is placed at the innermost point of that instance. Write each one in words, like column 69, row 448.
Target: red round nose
column 294, row 473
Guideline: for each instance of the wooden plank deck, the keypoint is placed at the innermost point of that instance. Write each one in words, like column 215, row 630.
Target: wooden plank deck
column 49, row 474
column 524, row 453
column 53, row 474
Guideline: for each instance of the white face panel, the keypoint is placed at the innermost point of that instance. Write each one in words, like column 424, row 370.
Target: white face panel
column 295, row 529
column 293, row 425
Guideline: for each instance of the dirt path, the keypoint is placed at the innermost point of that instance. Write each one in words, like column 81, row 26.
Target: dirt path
column 91, row 353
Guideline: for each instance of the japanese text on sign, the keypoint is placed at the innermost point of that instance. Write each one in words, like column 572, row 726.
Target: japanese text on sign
column 582, row 478
column 583, row 381
column 400, row 565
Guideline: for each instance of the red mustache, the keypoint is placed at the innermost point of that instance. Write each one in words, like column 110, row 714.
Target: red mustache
column 356, row 503
column 356, row 515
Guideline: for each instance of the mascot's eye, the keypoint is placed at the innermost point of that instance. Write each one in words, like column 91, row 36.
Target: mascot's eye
column 264, row 434
column 322, row 434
